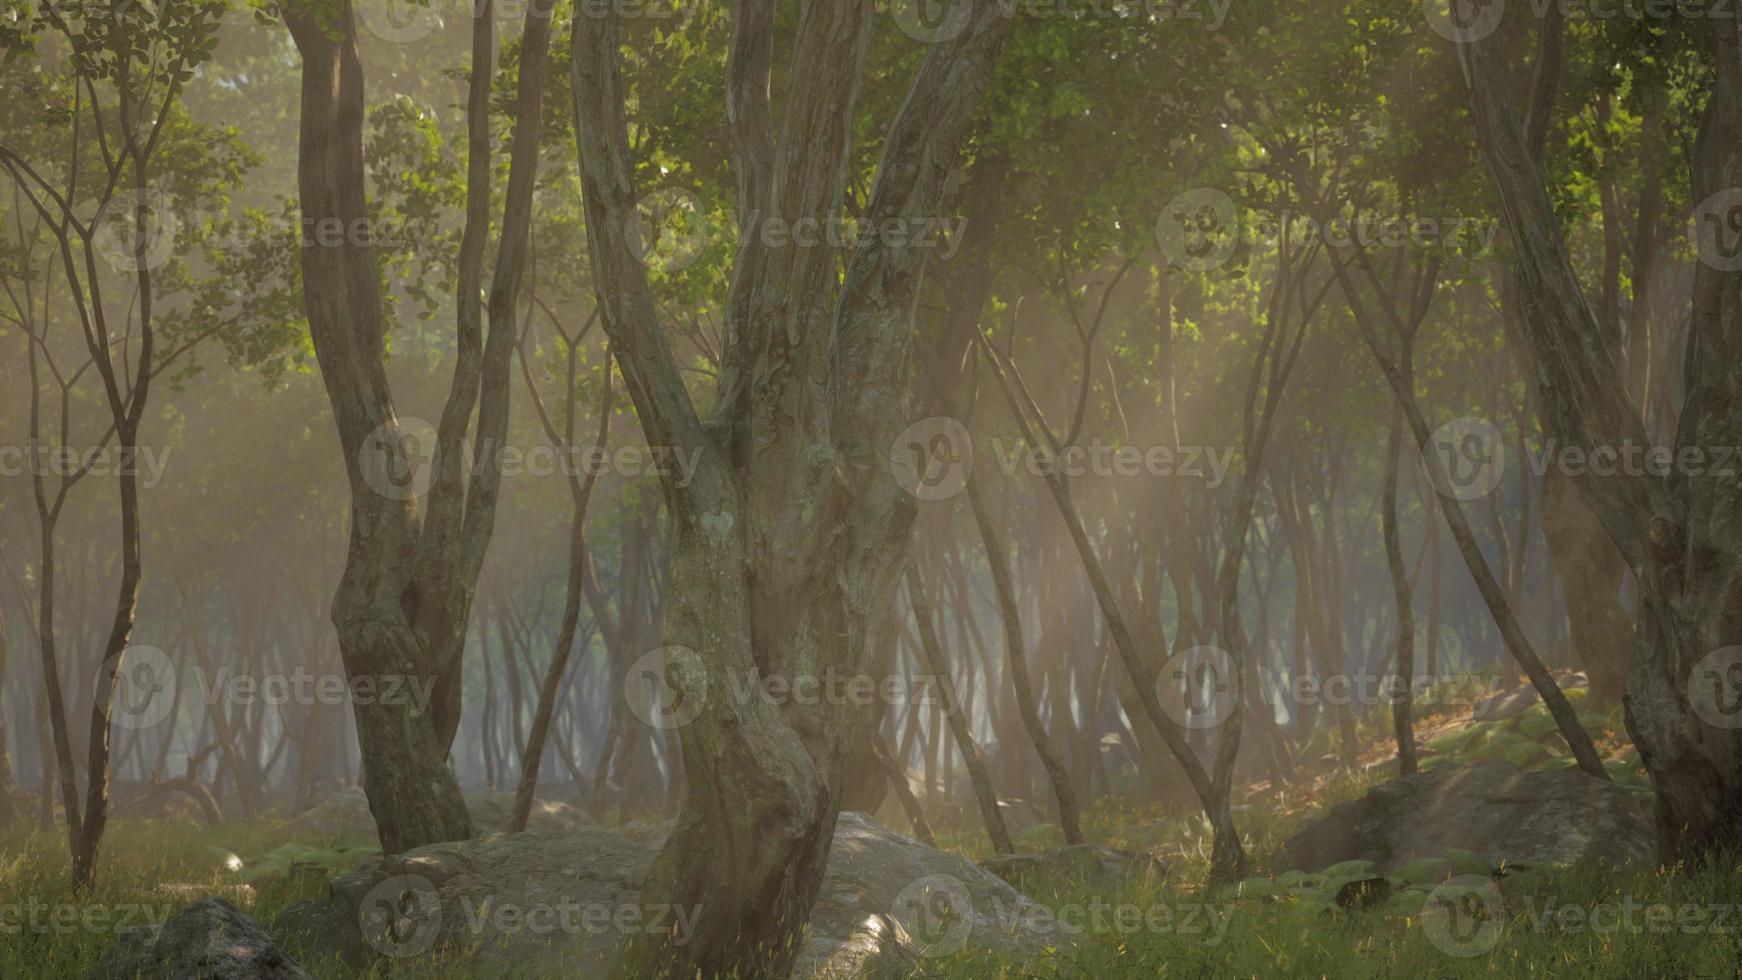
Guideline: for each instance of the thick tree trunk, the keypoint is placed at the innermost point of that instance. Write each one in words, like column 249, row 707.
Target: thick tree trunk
column 1591, row 571
column 412, row 792
column 789, row 540
column 1675, row 532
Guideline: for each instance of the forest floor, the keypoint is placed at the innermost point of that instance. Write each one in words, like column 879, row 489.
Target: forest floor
column 1585, row 922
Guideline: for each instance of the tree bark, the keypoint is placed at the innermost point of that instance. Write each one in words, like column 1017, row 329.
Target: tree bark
column 1403, row 667
column 1675, row 531
column 1591, row 572
column 412, row 793
column 789, row 539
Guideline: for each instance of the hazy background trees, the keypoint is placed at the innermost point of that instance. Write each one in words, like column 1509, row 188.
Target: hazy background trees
column 1130, row 262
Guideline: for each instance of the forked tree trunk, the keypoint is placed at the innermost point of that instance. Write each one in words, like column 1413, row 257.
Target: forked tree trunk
column 405, row 597
column 412, row 793
column 1228, row 859
column 789, row 540
column 1505, row 617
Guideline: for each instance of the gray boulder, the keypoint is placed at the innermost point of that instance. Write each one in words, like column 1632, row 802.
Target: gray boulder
column 209, row 940
column 1093, row 867
column 492, row 812
column 563, row 905
column 1511, row 704
column 345, row 816
column 1491, row 809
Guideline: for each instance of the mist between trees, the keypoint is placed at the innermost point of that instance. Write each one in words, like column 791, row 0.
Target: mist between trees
column 1030, row 424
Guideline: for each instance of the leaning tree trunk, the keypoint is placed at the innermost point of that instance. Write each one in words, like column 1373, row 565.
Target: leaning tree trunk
column 1016, row 655
column 951, row 704
column 898, row 782
column 1676, row 531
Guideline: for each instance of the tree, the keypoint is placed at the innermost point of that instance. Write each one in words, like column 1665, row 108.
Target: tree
column 403, row 602
column 112, row 112
column 792, row 536
column 1672, row 528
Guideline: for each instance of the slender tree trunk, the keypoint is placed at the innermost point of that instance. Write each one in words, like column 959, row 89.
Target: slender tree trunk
column 945, row 687
column 1229, row 854
column 1016, row 655
column 903, row 792
column 1492, row 592
column 8, row 793
column 1403, row 667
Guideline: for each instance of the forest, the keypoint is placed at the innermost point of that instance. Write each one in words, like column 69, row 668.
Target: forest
column 870, row 489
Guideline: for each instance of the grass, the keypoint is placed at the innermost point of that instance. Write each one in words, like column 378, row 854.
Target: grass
column 1537, row 937
column 1581, row 922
